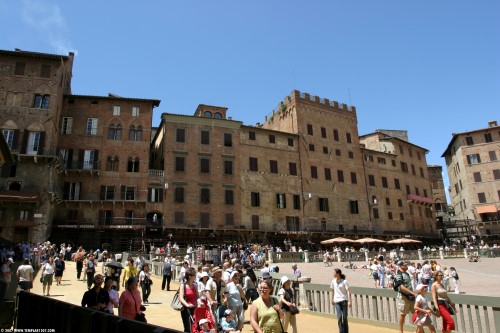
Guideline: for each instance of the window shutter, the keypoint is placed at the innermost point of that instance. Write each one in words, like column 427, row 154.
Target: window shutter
column 66, row 189
column 15, row 140
column 81, row 157
column 41, row 144
column 26, row 134
column 103, row 192
column 150, row 191
column 123, row 191
column 96, row 159
column 468, row 159
column 69, row 161
column 160, row 195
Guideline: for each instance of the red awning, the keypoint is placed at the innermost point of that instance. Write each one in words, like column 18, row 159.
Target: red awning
column 486, row 209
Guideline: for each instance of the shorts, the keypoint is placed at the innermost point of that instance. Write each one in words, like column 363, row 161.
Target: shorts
column 404, row 305
column 25, row 285
column 375, row 276
column 47, row 279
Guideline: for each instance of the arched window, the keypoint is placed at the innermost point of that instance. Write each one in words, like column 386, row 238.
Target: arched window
column 207, row 114
column 111, row 132
column 118, row 134
column 133, row 164
column 138, row 133
column 112, row 163
column 218, row 115
column 131, row 133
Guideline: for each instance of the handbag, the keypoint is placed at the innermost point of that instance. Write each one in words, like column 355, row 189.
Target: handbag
column 245, row 303
column 294, row 310
column 176, row 302
column 41, row 278
column 139, row 316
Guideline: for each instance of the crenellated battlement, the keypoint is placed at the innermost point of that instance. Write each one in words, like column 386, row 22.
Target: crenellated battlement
column 297, row 95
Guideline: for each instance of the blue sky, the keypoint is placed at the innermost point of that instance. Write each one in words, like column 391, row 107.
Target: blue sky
column 430, row 67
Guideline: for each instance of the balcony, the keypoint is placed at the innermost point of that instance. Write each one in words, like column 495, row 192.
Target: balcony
column 156, row 173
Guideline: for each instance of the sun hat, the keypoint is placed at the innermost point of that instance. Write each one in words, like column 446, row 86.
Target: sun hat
column 203, row 321
column 216, row 270
column 98, row 278
column 228, row 312
column 203, row 274
column 233, row 274
column 420, row 287
column 284, row 279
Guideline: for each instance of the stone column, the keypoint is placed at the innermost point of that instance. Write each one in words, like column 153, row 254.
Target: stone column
column 304, row 305
column 420, row 254
column 306, row 256
column 441, row 254
column 339, row 256
column 466, row 252
column 367, row 257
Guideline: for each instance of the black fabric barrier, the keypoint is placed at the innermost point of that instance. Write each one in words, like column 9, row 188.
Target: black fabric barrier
column 35, row 311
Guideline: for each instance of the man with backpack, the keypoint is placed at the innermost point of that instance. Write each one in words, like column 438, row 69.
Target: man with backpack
column 406, row 295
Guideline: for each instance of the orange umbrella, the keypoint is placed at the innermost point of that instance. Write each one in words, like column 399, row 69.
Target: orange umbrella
column 338, row 240
column 404, row 241
column 368, row 240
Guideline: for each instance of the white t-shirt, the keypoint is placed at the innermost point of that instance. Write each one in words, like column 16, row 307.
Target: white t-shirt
column 48, row 269
column 340, row 290
column 374, row 268
column 113, row 295
column 411, row 271
column 24, row 272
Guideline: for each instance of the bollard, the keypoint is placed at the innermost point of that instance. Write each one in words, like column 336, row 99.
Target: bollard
column 339, row 256
column 306, row 256
column 466, row 253
column 302, row 292
column 420, row 254
column 441, row 254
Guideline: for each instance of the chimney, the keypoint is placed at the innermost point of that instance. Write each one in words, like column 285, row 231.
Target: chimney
column 492, row 123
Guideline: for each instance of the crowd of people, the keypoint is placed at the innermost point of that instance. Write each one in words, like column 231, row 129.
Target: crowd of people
column 223, row 289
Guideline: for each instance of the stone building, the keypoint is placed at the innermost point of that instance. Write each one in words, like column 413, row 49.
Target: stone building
column 399, row 190
column 93, row 170
column 472, row 161
column 304, row 173
column 32, row 86
column 103, row 169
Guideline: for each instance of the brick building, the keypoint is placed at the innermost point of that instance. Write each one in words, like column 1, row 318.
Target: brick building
column 92, row 169
column 103, row 169
column 32, row 86
column 304, row 173
column 472, row 161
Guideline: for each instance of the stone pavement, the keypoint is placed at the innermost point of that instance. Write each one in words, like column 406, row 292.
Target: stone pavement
column 476, row 278
column 159, row 312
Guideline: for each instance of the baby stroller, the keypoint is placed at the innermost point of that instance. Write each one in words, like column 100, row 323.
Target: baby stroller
column 200, row 313
column 220, row 316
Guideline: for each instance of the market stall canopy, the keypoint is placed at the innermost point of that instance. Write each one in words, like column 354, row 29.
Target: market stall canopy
column 404, row 241
column 338, row 240
column 368, row 240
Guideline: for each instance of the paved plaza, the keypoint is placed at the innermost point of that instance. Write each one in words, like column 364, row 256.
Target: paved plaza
column 476, row 279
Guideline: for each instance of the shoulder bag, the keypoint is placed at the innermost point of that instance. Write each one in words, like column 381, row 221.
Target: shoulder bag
column 176, row 302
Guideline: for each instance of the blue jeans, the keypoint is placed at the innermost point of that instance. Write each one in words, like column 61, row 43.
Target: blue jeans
column 341, row 309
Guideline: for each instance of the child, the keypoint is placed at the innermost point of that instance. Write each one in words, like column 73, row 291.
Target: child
column 228, row 324
column 204, row 326
column 422, row 315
